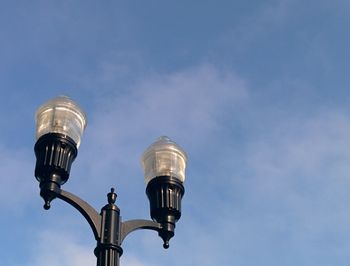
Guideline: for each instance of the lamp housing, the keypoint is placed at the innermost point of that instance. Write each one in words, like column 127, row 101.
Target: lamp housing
column 164, row 164
column 59, row 125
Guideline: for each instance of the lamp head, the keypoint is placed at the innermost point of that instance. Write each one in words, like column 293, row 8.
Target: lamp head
column 164, row 164
column 60, row 124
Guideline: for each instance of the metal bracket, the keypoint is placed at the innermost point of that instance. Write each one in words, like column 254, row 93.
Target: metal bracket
column 90, row 214
column 132, row 225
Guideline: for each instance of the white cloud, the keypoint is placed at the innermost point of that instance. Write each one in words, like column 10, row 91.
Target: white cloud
column 185, row 101
column 190, row 106
column 315, row 146
column 60, row 248
column 298, row 183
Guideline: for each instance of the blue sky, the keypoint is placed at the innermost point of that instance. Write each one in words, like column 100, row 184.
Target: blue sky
column 256, row 92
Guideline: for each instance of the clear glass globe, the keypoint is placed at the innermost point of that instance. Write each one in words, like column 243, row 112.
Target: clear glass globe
column 61, row 115
column 164, row 158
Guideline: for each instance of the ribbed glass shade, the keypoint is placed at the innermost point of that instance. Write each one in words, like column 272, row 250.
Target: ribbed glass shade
column 164, row 158
column 61, row 115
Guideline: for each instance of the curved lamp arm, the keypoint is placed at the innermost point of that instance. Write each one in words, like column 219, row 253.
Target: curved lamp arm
column 90, row 214
column 132, row 225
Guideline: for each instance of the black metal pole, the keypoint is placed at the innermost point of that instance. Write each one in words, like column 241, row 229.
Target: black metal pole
column 108, row 257
column 108, row 248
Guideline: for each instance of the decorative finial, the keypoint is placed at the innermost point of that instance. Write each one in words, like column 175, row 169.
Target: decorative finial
column 112, row 197
column 166, row 244
column 47, row 205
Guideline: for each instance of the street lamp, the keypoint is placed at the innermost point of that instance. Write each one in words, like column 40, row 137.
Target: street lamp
column 60, row 124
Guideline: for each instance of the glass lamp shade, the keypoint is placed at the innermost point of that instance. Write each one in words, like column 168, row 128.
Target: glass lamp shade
column 164, row 158
column 61, row 115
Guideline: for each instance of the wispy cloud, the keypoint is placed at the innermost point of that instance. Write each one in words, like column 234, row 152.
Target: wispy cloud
column 60, row 248
column 294, row 190
column 63, row 247
column 194, row 102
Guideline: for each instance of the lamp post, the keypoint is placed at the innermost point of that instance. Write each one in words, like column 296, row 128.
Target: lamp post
column 60, row 124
